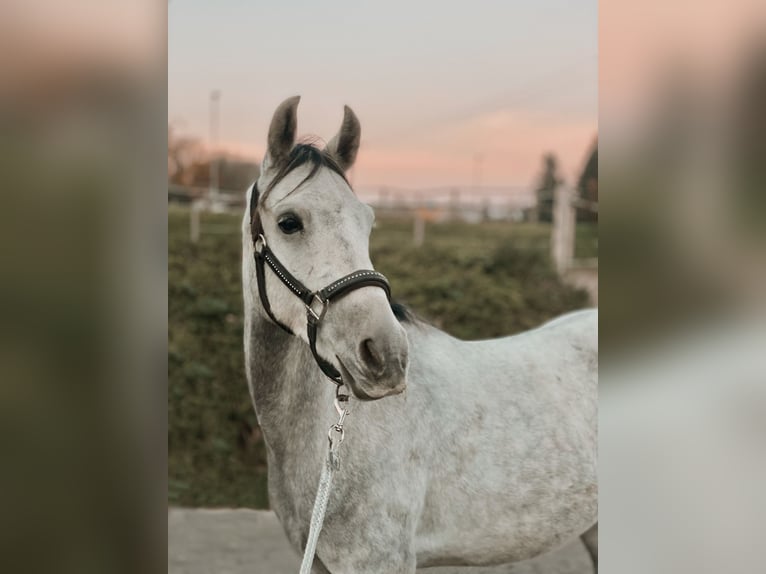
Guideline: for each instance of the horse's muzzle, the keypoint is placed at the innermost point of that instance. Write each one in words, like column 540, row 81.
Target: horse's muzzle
column 380, row 367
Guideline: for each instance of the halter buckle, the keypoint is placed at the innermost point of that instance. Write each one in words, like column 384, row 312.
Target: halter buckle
column 314, row 315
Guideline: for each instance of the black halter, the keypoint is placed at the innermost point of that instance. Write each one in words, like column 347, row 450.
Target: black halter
column 316, row 302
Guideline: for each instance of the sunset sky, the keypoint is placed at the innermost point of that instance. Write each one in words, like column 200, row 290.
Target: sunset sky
column 435, row 85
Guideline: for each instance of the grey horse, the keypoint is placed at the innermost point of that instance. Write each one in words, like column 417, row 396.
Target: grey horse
column 456, row 452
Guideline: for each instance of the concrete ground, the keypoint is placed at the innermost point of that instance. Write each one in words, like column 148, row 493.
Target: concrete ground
column 223, row 541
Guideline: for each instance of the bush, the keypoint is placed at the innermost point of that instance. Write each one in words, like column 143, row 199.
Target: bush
column 475, row 281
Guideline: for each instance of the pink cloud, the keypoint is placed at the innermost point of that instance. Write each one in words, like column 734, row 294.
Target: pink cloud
column 511, row 144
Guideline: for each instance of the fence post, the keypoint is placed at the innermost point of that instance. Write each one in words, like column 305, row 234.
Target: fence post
column 194, row 215
column 563, row 233
column 419, row 229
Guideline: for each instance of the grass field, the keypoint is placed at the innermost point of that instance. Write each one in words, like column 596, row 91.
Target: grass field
column 474, row 281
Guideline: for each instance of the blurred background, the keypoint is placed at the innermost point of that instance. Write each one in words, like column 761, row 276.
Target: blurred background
column 682, row 396
column 479, row 155
column 95, row 254
column 83, row 282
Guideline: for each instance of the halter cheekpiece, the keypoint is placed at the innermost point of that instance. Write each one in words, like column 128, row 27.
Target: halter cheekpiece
column 316, row 302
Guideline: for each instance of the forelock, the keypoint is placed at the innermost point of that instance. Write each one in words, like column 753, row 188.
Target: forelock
column 304, row 154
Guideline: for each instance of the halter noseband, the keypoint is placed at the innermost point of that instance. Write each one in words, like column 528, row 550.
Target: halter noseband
column 316, row 302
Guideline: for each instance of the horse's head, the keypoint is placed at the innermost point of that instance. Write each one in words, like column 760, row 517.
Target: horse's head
column 320, row 231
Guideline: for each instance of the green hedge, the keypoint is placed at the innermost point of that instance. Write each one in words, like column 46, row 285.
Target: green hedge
column 475, row 281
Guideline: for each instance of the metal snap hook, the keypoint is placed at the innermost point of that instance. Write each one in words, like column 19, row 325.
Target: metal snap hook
column 338, row 429
column 340, row 403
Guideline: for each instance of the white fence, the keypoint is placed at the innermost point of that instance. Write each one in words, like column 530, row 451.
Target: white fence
column 436, row 205
column 565, row 206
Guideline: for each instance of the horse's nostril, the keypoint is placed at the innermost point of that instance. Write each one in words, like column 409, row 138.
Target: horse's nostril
column 370, row 355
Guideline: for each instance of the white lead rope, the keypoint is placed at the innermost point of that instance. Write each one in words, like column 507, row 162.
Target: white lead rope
column 331, row 464
column 320, row 506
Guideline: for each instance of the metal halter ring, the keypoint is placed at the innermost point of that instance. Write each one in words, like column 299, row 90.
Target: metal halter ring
column 339, row 399
column 260, row 243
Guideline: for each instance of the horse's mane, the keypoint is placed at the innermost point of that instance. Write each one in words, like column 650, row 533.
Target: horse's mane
column 305, row 154
column 403, row 313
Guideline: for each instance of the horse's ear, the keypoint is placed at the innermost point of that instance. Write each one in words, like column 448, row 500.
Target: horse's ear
column 282, row 131
column 345, row 144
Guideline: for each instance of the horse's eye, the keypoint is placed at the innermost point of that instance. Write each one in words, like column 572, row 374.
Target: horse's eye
column 290, row 224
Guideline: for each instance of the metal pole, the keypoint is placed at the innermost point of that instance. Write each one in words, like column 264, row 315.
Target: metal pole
column 478, row 160
column 215, row 99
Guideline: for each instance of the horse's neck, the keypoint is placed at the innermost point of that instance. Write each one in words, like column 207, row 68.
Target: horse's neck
column 292, row 398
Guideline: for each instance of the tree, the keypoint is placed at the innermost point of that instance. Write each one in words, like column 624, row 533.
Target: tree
column 549, row 181
column 237, row 174
column 189, row 165
column 183, row 152
column 587, row 186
